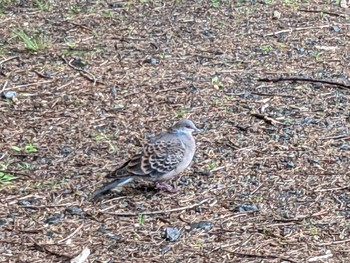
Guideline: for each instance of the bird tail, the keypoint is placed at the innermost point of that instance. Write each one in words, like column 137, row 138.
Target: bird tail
column 108, row 187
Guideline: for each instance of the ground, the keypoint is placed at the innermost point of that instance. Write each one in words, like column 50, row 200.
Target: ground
column 94, row 79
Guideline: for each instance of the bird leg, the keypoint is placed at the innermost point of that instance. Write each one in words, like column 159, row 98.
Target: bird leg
column 166, row 187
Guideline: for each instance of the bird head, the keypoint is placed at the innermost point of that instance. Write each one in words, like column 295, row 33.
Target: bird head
column 186, row 126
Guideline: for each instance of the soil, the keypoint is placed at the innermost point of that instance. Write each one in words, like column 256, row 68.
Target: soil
column 267, row 81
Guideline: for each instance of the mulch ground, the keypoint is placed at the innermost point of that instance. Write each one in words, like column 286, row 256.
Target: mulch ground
column 270, row 179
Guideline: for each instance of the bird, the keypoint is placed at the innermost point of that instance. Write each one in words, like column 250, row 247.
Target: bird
column 164, row 157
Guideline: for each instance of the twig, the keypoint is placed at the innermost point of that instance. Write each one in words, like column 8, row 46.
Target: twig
column 78, row 25
column 320, row 258
column 334, row 242
column 83, row 72
column 302, row 217
column 15, row 173
column 306, row 80
column 42, row 75
column 44, row 206
column 34, row 83
column 41, row 248
column 4, row 86
column 257, row 189
column 2, row 156
column 261, row 256
column 332, row 189
column 8, row 59
column 266, row 119
column 31, row 231
column 171, row 89
column 323, row 12
column 71, row 235
column 337, row 137
column 296, row 29
column 160, row 211
column 275, row 95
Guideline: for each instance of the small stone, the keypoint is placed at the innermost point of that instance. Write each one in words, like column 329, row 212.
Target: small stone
column 124, row 203
column 48, row 74
column 77, row 62
column 116, row 5
column 74, row 210
column 165, row 249
column 198, row 209
column 154, row 61
column 345, row 147
column 102, row 229
column 207, row 33
column 172, row 234
column 114, row 90
column 118, row 107
column 65, row 151
column 193, row 88
column 290, row 164
column 25, row 203
column 10, row 95
column 246, row 208
column 219, row 186
column 51, row 234
column 301, row 50
column 202, row 225
column 336, row 29
column 3, row 222
column 55, row 219
column 90, row 153
column 113, row 236
column 276, row 15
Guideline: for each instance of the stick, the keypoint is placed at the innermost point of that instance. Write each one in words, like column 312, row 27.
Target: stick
column 306, row 80
column 71, row 235
column 334, row 242
column 83, row 72
column 4, row 86
column 296, row 29
column 262, row 256
column 41, row 248
column 158, row 212
column 320, row 11
column 267, row 119
column 8, row 59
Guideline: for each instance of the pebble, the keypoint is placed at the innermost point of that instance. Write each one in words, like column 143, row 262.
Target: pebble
column 55, row 219
column 9, row 94
column 247, row 208
column 172, row 234
column 202, row 225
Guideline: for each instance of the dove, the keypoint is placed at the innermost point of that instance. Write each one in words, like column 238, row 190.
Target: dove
column 164, row 157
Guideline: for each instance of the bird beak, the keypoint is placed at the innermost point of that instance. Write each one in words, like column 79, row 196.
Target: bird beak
column 198, row 130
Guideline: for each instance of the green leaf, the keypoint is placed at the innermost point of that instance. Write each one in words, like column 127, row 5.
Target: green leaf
column 16, row 148
column 6, row 178
column 30, row 148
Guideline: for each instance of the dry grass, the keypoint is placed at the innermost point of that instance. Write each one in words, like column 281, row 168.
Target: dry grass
column 113, row 73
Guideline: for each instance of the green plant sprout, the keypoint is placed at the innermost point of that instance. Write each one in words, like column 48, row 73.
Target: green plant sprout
column 32, row 43
column 6, row 178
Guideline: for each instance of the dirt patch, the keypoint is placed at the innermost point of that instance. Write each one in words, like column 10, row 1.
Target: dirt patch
column 270, row 180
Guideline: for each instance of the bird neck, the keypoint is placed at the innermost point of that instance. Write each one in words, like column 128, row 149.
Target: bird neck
column 180, row 132
column 185, row 135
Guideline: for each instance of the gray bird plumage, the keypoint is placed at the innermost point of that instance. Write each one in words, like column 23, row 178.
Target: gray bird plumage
column 163, row 158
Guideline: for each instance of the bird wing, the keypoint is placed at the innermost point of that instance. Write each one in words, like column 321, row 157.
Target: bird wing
column 157, row 159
